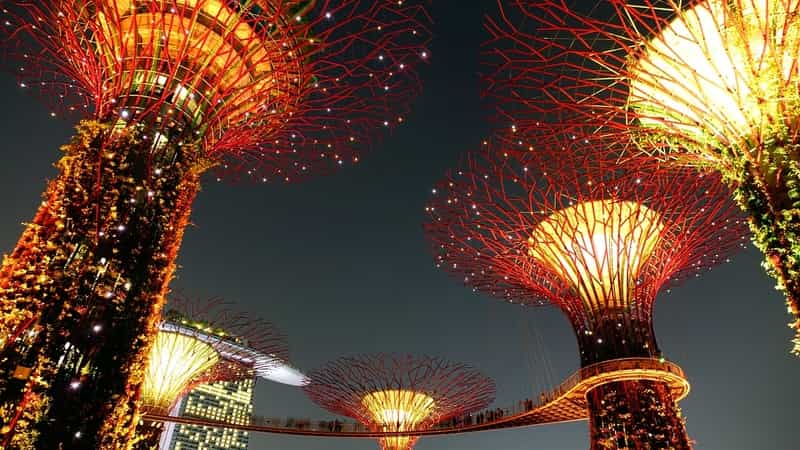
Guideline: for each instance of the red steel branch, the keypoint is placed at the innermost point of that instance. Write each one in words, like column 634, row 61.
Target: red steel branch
column 438, row 391
column 703, row 83
column 560, row 217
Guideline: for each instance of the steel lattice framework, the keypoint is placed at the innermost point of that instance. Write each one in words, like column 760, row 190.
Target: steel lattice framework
column 707, row 83
column 227, row 345
column 271, row 90
column 557, row 217
column 399, row 392
column 204, row 341
column 274, row 89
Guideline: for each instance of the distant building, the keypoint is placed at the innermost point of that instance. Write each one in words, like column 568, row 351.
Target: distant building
column 230, row 402
column 223, row 401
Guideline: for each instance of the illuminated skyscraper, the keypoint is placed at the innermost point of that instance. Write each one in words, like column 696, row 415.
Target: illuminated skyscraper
column 224, row 401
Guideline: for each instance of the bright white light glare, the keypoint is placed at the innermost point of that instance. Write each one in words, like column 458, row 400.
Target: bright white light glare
column 598, row 247
column 286, row 374
column 398, row 410
column 723, row 72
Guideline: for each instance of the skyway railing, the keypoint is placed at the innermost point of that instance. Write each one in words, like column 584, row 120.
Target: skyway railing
column 565, row 403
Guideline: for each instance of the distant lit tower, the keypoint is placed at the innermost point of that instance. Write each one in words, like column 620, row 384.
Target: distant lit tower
column 707, row 83
column 268, row 90
column 225, row 401
column 199, row 342
column 558, row 219
column 396, row 393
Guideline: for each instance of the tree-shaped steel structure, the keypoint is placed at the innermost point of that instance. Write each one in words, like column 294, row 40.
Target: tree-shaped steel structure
column 399, row 392
column 558, row 219
column 268, row 89
column 709, row 83
column 203, row 341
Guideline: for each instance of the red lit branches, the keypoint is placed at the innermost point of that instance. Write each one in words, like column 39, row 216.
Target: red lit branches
column 485, row 223
column 399, row 392
column 203, row 341
column 559, row 218
column 272, row 90
column 711, row 83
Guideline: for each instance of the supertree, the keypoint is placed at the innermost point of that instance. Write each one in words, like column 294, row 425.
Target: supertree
column 559, row 219
column 267, row 89
column 201, row 341
column 396, row 393
column 705, row 83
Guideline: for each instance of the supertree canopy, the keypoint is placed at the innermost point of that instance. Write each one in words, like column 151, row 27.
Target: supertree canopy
column 560, row 219
column 272, row 88
column 264, row 89
column 203, row 342
column 396, row 393
column 709, row 83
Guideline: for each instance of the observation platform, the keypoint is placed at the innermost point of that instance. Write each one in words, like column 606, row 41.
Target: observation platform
column 565, row 403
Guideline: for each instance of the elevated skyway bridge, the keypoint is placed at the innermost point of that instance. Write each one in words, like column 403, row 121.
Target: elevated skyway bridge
column 565, row 403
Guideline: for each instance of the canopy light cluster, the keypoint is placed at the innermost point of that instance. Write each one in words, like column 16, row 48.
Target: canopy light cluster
column 398, row 410
column 708, row 83
column 270, row 88
column 598, row 246
column 177, row 362
column 717, row 75
column 399, row 393
column 722, row 72
column 561, row 219
column 557, row 216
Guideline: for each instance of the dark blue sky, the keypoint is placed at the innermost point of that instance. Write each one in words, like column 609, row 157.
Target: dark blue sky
column 339, row 263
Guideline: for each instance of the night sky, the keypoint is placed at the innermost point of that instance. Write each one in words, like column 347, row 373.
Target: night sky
column 339, row 263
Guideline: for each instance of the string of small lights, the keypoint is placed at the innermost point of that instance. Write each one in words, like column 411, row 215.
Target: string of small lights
column 399, row 392
column 262, row 90
column 711, row 84
column 555, row 216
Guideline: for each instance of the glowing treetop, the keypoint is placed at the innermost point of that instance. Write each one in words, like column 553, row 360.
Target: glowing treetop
column 273, row 88
column 204, row 342
column 732, row 83
column 562, row 220
column 399, row 393
column 719, row 75
column 599, row 246
column 707, row 83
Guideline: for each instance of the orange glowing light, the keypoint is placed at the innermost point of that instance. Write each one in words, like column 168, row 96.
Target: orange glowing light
column 225, row 57
column 598, row 247
column 721, row 73
column 176, row 361
column 398, row 410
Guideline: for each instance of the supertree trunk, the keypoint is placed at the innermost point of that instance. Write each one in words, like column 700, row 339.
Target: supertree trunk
column 148, row 435
column 631, row 414
column 614, row 334
column 83, row 289
column 773, row 205
column 639, row 415
column 565, row 216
